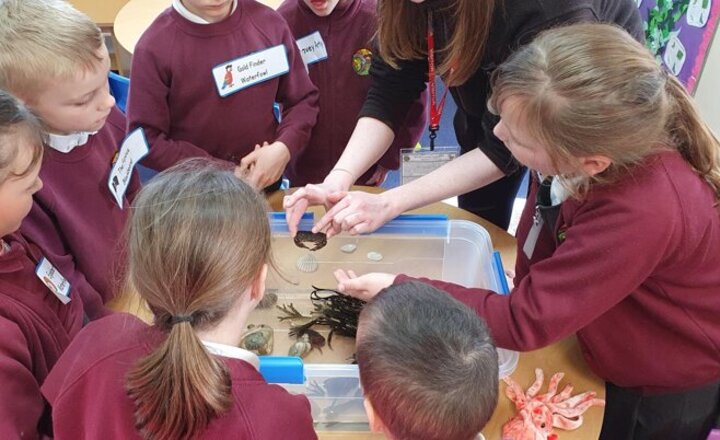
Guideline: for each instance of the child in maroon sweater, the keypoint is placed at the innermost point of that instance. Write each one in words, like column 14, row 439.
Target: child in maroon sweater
column 436, row 378
column 39, row 311
column 54, row 58
column 189, row 106
column 621, row 245
column 184, row 376
column 334, row 40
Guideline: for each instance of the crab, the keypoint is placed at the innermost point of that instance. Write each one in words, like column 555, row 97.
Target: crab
column 312, row 241
column 538, row 414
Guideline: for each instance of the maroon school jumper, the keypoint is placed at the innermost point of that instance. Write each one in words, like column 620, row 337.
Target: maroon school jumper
column 637, row 277
column 75, row 214
column 174, row 97
column 87, row 390
column 35, row 328
column 343, row 85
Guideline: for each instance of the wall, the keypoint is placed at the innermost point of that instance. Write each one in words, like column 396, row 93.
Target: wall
column 707, row 93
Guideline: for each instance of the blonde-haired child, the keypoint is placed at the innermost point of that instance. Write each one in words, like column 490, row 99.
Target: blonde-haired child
column 199, row 244
column 620, row 240
column 54, row 59
column 36, row 322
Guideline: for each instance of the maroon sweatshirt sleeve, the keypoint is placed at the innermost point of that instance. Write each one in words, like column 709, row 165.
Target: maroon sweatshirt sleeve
column 299, row 99
column 21, row 405
column 609, row 251
column 148, row 108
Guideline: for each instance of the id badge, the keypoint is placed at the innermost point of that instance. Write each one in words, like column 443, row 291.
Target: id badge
column 533, row 234
column 238, row 74
column 53, row 279
column 133, row 148
column 415, row 163
column 312, row 48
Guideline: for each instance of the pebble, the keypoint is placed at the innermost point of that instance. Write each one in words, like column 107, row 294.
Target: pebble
column 374, row 256
column 348, row 248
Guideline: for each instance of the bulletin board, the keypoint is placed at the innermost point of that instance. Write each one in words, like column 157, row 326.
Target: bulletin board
column 679, row 33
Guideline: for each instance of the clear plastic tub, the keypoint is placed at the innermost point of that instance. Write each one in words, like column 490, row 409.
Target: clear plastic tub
column 457, row 251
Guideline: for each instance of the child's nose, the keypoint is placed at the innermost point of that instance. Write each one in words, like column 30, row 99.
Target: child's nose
column 108, row 101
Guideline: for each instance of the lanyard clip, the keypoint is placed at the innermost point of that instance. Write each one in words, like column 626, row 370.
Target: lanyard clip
column 433, row 135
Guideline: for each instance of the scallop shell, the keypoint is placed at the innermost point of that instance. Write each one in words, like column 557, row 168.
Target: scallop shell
column 348, row 248
column 374, row 256
column 307, row 263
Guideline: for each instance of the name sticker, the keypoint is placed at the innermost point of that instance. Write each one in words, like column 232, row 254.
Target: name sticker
column 53, row 279
column 417, row 163
column 133, row 148
column 241, row 73
column 312, row 48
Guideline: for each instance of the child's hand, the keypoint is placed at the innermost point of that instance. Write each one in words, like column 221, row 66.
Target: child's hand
column 363, row 287
column 266, row 164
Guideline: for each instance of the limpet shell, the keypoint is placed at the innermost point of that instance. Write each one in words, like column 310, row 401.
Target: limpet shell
column 348, row 248
column 374, row 256
column 307, row 263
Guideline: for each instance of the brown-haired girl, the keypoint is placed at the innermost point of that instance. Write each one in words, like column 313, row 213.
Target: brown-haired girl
column 471, row 38
column 622, row 241
column 199, row 244
column 36, row 323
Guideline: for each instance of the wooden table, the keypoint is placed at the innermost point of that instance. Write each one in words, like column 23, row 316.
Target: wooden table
column 101, row 12
column 562, row 356
column 136, row 16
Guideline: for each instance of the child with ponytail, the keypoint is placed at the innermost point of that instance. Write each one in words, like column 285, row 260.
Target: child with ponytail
column 199, row 244
column 619, row 242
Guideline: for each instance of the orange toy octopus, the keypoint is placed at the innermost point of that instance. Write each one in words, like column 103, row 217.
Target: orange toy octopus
column 538, row 414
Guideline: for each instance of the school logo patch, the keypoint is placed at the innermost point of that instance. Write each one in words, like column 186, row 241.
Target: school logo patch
column 361, row 61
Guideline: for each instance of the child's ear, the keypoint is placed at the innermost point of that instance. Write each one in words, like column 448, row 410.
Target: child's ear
column 595, row 164
column 258, row 286
column 376, row 424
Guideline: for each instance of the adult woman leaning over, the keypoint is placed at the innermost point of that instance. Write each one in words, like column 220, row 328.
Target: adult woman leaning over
column 471, row 38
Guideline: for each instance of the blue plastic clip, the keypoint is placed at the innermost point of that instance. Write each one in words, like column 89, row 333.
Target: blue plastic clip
column 282, row 369
column 500, row 273
column 277, row 112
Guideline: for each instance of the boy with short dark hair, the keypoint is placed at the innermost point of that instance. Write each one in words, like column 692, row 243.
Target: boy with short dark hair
column 428, row 366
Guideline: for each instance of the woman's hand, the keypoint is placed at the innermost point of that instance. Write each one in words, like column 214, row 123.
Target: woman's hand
column 357, row 212
column 297, row 203
column 363, row 287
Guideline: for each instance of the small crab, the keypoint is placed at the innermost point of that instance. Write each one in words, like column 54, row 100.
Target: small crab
column 539, row 414
column 307, row 340
column 301, row 347
column 312, row 241
column 258, row 339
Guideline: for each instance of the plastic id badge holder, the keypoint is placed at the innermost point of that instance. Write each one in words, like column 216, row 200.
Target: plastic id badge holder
column 415, row 163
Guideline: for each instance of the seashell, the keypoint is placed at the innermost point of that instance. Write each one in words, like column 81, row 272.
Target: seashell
column 348, row 248
column 307, row 263
column 374, row 256
column 269, row 299
column 258, row 339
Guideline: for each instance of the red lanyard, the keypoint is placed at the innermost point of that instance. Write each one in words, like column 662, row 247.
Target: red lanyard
column 436, row 108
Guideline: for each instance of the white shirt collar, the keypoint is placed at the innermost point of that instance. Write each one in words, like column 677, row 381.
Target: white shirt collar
column 66, row 143
column 4, row 247
column 233, row 352
column 182, row 10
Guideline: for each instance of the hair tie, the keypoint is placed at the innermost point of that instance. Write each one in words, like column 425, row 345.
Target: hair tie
column 177, row 319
